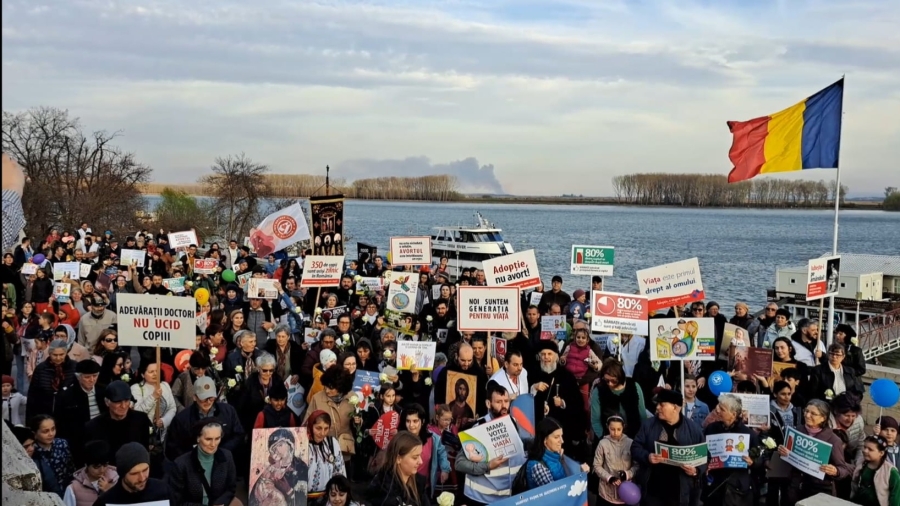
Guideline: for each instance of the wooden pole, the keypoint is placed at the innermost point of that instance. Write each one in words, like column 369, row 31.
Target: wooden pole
column 821, row 316
column 159, row 377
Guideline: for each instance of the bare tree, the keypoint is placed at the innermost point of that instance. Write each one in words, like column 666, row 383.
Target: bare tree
column 889, row 191
column 74, row 177
column 238, row 186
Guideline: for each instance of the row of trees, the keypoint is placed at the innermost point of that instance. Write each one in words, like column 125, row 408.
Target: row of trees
column 438, row 188
column 891, row 199
column 713, row 190
column 73, row 176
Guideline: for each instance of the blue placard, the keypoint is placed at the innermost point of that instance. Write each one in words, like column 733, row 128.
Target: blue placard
column 366, row 378
column 571, row 491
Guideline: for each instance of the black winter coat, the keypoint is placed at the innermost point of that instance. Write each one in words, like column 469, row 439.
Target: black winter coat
column 187, row 480
column 180, row 439
column 41, row 396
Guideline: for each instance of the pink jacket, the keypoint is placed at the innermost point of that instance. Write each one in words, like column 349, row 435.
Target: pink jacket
column 82, row 492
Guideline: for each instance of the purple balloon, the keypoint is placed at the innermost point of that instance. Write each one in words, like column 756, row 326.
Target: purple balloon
column 38, row 259
column 629, row 493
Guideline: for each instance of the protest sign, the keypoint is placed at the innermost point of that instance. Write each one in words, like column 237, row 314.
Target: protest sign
column 322, row 271
column 727, row 451
column 73, row 269
column 243, row 280
column 755, row 410
column 416, row 353
column 362, row 378
column 619, row 312
column 823, row 275
column 750, row 361
column 733, row 335
column 174, row 284
column 683, row 339
column 411, row 250
column 132, row 256
column 498, row 347
column 261, row 288
column 62, row 292
column 29, row 269
column 592, row 260
column 279, row 464
column 402, row 323
column 534, row 299
column 85, row 270
column 554, row 327
column 383, row 430
column 331, row 315
column 403, row 291
column 488, row 309
column 694, row 455
column 569, row 491
column 205, row 265
column 364, row 285
column 181, row 240
column 519, row 270
column 671, row 284
column 496, row 438
column 310, row 335
column 156, row 320
column 806, row 453
column 521, row 409
column 296, row 399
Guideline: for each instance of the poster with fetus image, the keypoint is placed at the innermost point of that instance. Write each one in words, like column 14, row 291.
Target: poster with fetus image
column 279, row 467
column 683, row 339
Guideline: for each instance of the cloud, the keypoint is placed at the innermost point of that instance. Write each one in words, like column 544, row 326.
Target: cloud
column 558, row 95
column 471, row 176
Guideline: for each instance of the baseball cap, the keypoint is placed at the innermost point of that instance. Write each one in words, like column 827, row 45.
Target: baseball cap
column 118, row 391
column 204, row 388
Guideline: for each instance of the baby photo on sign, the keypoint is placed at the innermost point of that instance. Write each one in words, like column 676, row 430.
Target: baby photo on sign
column 461, row 395
column 279, row 467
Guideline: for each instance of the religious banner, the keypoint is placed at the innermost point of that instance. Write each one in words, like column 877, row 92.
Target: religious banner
column 328, row 225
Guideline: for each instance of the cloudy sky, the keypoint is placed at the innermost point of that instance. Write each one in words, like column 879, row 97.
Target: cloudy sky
column 525, row 96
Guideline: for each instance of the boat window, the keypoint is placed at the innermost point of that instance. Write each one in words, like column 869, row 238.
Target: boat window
column 456, row 236
column 464, row 237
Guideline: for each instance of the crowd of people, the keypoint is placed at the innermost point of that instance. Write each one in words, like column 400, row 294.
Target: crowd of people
column 107, row 424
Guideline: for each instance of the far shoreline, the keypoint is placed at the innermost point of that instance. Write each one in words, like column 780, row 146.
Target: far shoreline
column 860, row 205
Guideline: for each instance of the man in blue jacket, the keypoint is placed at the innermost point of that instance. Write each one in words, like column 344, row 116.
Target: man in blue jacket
column 662, row 482
column 180, row 438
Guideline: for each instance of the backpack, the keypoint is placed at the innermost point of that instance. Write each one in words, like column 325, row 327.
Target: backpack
column 520, row 482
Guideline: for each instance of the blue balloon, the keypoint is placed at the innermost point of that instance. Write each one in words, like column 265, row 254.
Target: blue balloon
column 719, row 383
column 885, row 393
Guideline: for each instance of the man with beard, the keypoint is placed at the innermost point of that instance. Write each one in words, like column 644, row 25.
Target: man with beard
column 556, row 394
column 513, row 377
column 92, row 324
column 465, row 364
column 807, row 344
column 488, row 481
column 135, row 486
column 346, row 293
column 442, row 327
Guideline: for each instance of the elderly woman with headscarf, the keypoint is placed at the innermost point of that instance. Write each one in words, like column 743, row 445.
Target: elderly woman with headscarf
column 240, row 362
column 50, row 378
column 325, row 458
column 731, row 487
column 206, row 475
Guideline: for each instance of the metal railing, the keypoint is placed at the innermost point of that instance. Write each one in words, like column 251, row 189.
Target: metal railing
column 879, row 334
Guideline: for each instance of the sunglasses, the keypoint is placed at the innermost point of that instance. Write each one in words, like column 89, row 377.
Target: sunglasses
column 771, row 309
column 111, row 340
column 266, row 371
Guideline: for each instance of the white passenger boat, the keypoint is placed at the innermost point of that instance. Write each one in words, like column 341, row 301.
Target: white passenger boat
column 466, row 247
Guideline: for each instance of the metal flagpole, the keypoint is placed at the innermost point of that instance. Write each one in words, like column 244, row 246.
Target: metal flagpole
column 834, row 246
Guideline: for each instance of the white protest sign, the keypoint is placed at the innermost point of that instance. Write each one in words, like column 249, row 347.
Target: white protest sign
column 261, row 288
column 822, row 278
column 519, row 270
column 73, row 269
column 205, row 265
column 619, row 312
column 496, row 438
column 416, row 353
column 85, row 270
column 180, row 240
column 671, row 284
column 411, row 250
column 130, row 256
column 488, row 309
column 156, row 320
column 322, row 270
column 29, row 269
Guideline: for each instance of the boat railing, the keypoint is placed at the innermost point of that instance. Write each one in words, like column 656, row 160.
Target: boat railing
column 879, row 334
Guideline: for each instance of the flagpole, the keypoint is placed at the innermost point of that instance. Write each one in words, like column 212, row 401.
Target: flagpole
column 834, row 245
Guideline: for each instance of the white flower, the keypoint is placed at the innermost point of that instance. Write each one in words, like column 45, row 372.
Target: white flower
column 854, row 341
column 267, row 399
column 587, row 315
column 428, row 381
column 346, row 338
column 188, row 284
column 829, row 394
column 218, row 366
column 358, row 278
column 151, row 430
column 298, row 310
column 231, row 383
column 383, row 377
column 388, row 354
column 126, row 378
column 238, row 369
column 354, row 400
column 214, row 350
column 445, row 499
column 770, row 443
column 615, row 340
column 318, row 310
column 766, row 344
column 428, row 318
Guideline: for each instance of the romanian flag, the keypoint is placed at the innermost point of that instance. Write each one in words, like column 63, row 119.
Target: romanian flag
column 803, row 136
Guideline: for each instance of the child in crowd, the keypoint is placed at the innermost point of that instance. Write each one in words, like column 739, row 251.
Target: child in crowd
column 442, row 425
column 695, row 409
column 612, row 461
column 886, row 427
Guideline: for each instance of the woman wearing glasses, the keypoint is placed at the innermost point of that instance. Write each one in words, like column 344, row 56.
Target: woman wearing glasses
column 256, row 390
column 832, row 378
column 107, row 343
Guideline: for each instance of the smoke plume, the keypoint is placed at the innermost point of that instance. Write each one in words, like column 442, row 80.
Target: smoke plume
column 472, row 178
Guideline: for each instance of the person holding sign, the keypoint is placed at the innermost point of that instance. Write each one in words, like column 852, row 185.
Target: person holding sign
column 815, row 425
column 728, row 483
column 663, row 484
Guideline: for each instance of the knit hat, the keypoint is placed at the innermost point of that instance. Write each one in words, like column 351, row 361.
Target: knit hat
column 783, row 312
column 96, row 452
column 87, row 366
column 8, row 380
column 711, row 304
column 326, row 357
column 129, row 456
column 846, row 329
column 887, row 422
column 364, row 343
column 670, row 396
column 577, row 293
column 278, row 391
